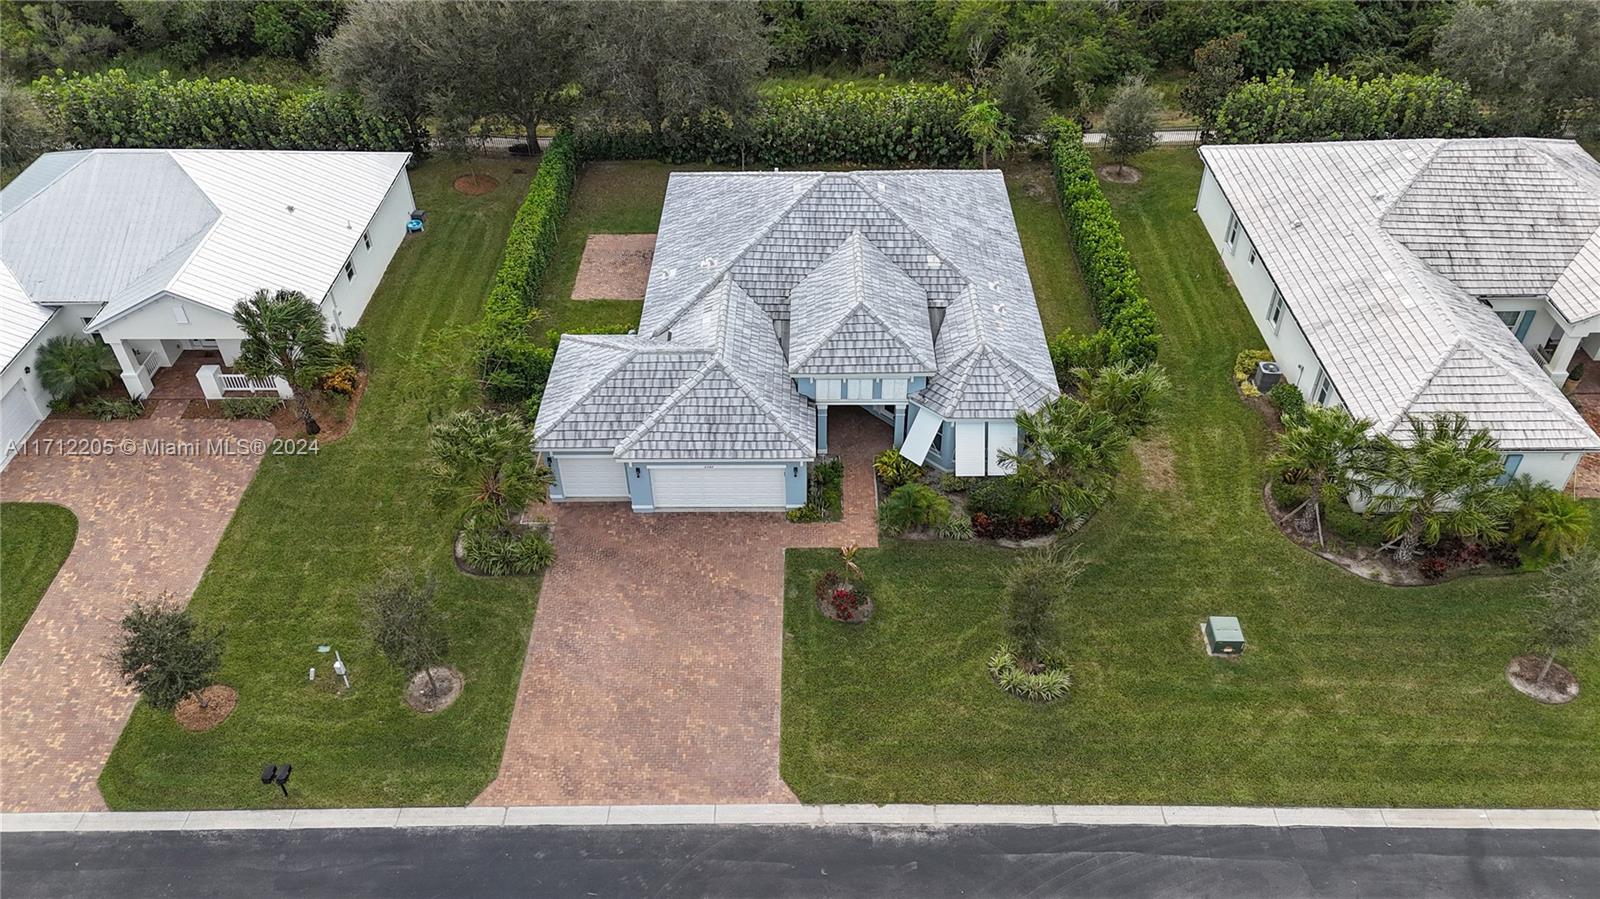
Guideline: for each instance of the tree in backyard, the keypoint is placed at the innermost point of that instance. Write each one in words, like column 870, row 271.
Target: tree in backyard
column 520, row 60
column 986, row 126
column 165, row 655
column 1036, row 586
column 1568, row 617
column 28, row 131
column 1217, row 70
column 1440, row 482
column 1067, row 455
column 1330, row 453
column 285, row 336
column 1536, row 64
column 1133, row 394
column 1131, row 118
column 377, row 52
column 665, row 60
column 405, row 624
column 1018, row 81
column 73, row 367
column 484, row 468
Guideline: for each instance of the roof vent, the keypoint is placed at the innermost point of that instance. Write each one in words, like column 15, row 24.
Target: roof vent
column 289, row 208
column 672, row 272
column 933, row 261
column 1298, row 224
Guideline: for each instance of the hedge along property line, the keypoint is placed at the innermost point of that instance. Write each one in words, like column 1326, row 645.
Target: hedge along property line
column 113, row 109
column 512, row 364
column 1128, row 327
column 1329, row 107
column 867, row 124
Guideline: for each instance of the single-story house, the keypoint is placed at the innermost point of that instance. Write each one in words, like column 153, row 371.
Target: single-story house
column 1414, row 277
column 774, row 296
column 152, row 249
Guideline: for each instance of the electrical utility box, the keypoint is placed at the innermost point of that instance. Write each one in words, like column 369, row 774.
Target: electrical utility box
column 1224, row 637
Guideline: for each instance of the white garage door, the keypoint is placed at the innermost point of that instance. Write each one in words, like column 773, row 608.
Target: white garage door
column 718, row 487
column 592, row 478
column 18, row 416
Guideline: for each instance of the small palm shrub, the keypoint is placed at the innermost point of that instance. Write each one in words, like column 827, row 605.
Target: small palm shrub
column 72, row 368
column 488, row 551
column 895, row 470
column 107, row 409
column 1005, row 497
column 912, row 506
column 1551, row 523
column 957, row 527
column 1049, row 682
column 952, row 483
column 258, row 407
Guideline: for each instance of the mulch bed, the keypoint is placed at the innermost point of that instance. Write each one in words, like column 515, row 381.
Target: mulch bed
column 220, row 701
column 475, row 185
column 286, row 418
column 421, row 699
column 1560, row 685
column 1119, row 174
column 862, row 611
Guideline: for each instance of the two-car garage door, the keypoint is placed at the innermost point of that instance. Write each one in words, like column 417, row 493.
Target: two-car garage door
column 717, row 487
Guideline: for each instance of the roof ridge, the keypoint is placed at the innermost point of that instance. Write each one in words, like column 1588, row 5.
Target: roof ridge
column 761, row 401
column 932, row 247
column 894, row 335
column 628, row 354
column 87, row 155
column 666, row 406
column 1405, row 408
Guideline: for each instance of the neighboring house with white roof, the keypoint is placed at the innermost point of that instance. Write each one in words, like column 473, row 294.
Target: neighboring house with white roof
column 1414, row 277
column 152, row 249
column 775, row 296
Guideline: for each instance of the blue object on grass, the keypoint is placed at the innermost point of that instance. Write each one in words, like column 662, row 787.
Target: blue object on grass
column 414, row 225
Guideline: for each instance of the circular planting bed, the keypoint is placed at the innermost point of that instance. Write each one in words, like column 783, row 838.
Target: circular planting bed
column 475, row 185
column 1121, row 174
column 1559, row 684
column 842, row 599
column 434, row 689
column 198, row 713
column 1040, row 681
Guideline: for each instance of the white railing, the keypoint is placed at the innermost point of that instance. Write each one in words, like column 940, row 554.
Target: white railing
column 245, row 382
column 150, row 364
column 214, row 383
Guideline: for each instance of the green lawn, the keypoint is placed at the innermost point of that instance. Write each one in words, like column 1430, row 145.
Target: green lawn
column 1063, row 302
column 310, row 534
column 35, row 539
column 1349, row 694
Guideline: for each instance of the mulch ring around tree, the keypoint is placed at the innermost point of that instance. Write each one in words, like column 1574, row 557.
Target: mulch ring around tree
column 1121, row 174
column 426, row 696
column 475, row 185
column 1559, row 685
column 842, row 600
column 220, row 702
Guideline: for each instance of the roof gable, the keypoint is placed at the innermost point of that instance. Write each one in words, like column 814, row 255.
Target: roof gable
column 858, row 312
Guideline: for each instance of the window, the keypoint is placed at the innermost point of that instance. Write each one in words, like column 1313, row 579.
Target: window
column 1275, row 311
column 1513, row 462
column 1510, row 318
column 1252, row 254
column 1232, row 240
column 349, row 270
column 1323, row 390
column 366, row 238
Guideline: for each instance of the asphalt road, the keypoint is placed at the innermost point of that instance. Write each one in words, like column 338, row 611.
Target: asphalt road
column 1122, row 861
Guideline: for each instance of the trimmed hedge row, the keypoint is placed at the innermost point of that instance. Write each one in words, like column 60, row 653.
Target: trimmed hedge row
column 1330, row 107
column 512, row 365
column 114, row 109
column 1128, row 327
column 866, row 124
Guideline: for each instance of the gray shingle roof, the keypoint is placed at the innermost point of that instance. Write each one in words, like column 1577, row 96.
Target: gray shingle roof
column 858, row 312
column 1386, row 325
column 852, row 262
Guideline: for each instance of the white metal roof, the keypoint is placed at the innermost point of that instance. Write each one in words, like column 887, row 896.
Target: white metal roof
column 213, row 226
column 1340, row 227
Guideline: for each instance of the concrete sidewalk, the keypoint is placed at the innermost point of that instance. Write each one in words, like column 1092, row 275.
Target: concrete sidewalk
column 802, row 815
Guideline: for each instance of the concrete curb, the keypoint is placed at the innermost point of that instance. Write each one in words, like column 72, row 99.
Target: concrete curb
column 800, row 815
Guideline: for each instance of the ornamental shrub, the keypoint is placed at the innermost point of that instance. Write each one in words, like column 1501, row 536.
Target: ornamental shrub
column 114, row 109
column 868, row 124
column 512, row 366
column 1128, row 327
column 894, row 469
column 1289, row 402
column 912, row 506
column 1332, row 107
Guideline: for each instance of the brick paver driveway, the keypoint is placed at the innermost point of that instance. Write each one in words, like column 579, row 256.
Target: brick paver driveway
column 654, row 672
column 147, row 522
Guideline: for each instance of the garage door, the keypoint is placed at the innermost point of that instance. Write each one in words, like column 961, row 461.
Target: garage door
column 18, row 416
column 592, row 478
column 718, row 487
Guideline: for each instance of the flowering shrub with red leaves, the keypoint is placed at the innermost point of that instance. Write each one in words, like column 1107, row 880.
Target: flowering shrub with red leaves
column 842, row 600
column 1450, row 554
column 1021, row 527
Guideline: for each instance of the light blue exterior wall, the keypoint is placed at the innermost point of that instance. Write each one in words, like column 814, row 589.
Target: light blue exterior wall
column 794, row 484
column 639, row 489
column 555, row 469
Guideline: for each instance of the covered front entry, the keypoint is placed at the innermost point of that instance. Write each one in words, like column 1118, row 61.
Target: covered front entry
column 678, row 487
column 591, row 478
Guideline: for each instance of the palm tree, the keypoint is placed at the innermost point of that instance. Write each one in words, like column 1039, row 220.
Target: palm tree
column 485, row 469
column 985, row 125
column 1067, row 455
column 285, row 337
column 1133, row 394
column 73, row 367
column 1330, row 453
column 1554, row 524
column 1440, row 483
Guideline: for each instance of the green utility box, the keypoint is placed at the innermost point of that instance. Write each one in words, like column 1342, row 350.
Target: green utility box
column 1224, row 637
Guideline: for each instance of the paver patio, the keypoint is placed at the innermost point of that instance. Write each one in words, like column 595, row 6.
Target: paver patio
column 148, row 521
column 654, row 671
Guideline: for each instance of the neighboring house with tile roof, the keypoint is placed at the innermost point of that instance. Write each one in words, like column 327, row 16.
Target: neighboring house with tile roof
column 152, row 249
column 1412, row 277
column 774, row 296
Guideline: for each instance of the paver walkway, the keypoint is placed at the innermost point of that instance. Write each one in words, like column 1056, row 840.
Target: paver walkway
column 654, row 672
column 149, row 518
